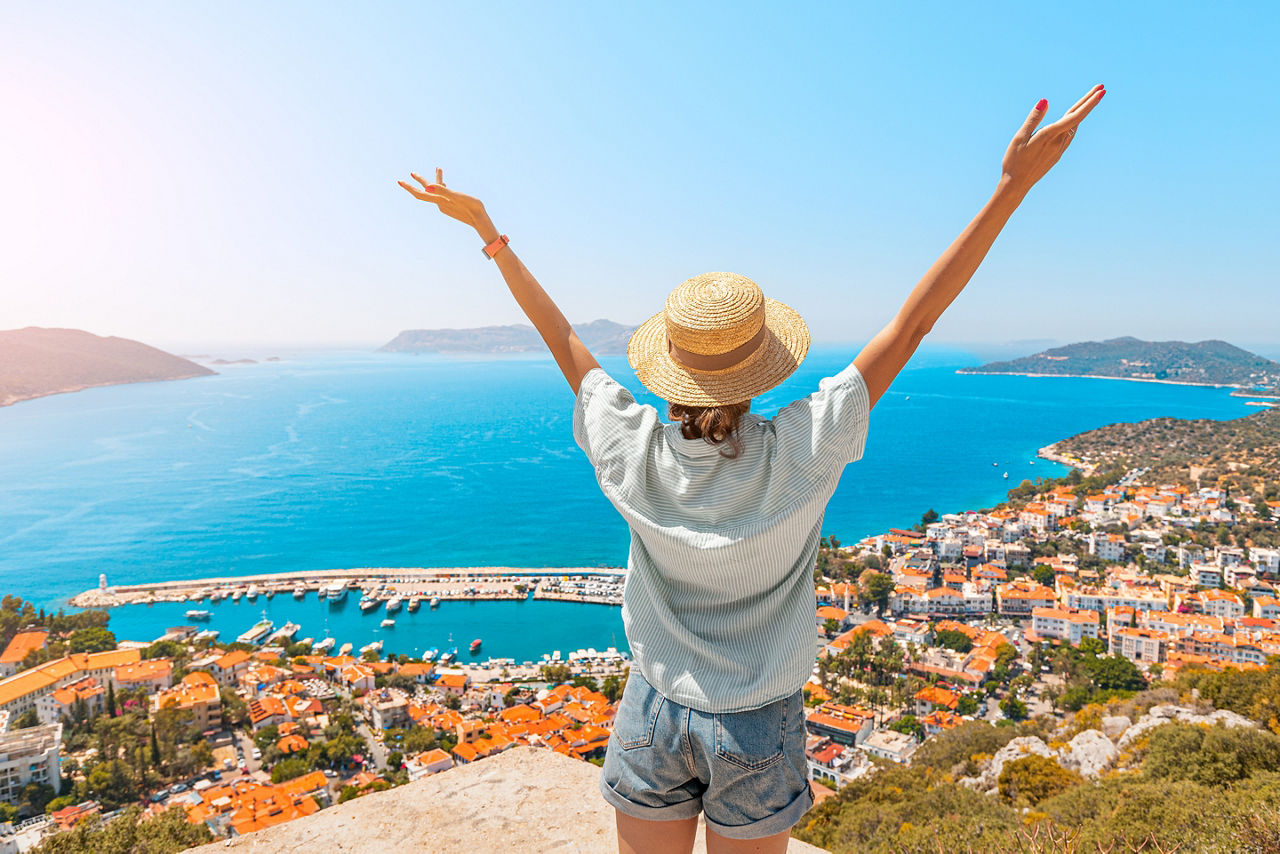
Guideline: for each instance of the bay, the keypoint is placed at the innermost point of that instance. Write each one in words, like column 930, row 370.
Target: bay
column 346, row 459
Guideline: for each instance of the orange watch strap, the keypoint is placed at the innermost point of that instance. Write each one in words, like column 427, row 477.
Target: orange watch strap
column 493, row 248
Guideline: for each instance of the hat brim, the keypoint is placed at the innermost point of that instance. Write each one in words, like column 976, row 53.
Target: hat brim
column 784, row 348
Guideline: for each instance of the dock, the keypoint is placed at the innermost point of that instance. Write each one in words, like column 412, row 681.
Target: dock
column 579, row 584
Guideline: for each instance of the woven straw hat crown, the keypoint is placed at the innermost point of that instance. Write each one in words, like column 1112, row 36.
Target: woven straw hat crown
column 717, row 341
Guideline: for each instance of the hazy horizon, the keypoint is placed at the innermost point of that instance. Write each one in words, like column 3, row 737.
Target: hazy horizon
column 227, row 173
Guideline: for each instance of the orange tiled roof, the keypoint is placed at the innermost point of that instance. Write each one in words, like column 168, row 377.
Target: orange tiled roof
column 23, row 643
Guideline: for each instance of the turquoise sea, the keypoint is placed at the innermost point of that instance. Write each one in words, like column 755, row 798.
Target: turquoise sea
column 346, row 459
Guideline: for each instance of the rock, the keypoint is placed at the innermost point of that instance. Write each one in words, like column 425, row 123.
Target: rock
column 524, row 799
column 1016, row 749
column 1089, row 753
column 1114, row 726
column 1160, row 715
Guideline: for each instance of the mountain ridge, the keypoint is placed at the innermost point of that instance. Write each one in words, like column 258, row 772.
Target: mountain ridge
column 602, row 337
column 37, row 362
column 1209, row 362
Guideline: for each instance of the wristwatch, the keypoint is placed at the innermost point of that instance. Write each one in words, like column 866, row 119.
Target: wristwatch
column 496, row 246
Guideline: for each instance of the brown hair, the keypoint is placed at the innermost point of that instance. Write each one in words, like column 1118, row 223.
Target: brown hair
column 714, row 424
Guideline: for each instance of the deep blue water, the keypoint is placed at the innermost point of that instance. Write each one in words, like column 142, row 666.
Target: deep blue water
column 361, row 459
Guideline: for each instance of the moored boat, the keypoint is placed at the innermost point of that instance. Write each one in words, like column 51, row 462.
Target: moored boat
column 376, row 646
column 300, row 592
column 393, row 604
column 414, row 604
column 435, row 601
column 368, row 603
column 475, row 646
column 199, row 614
column 430, row 655
column 324, row 645
column 252, row 593
column 259, row 631
column 285, row 633
column 388, row 623
column 345, row 649
column 336, row 591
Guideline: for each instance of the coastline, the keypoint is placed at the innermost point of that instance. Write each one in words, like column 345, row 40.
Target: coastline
column 1094, row 377
column 11, row 399
column 1050, row 452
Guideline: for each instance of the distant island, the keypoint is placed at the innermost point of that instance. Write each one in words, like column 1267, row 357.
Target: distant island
column 602, row 337
column 1202, row 363
column 36, row 362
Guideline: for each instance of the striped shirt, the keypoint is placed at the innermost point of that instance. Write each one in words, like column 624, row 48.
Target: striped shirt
column 719, row 605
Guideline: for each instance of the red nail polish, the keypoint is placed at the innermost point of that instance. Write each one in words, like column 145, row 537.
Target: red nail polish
column 1043, row 103
column 1103, row 92
column 431, row 188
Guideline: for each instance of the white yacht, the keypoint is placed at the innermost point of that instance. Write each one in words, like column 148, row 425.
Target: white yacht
column 393, row 604
column 324, row 645
column 300, row 592
column 346, row 649
column 388, row 623
column 199, row 614
column 335, row 592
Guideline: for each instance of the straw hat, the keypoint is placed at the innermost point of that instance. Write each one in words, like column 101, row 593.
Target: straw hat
column 718, row 341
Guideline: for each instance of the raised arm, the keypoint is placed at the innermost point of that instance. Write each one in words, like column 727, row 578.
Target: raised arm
column 1030, row 155
column 570, row 354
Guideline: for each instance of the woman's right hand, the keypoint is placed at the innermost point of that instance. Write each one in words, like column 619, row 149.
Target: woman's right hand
column 1031, row 154
column 459, row 206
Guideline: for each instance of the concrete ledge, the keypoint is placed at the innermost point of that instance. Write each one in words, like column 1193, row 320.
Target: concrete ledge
column 525, row 799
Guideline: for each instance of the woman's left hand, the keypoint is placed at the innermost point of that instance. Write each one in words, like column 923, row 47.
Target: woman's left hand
column 463, row 208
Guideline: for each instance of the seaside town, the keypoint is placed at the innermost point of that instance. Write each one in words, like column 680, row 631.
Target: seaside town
column 1086, row 589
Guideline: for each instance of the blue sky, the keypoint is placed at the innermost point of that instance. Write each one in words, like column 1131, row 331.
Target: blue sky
column 188, row 173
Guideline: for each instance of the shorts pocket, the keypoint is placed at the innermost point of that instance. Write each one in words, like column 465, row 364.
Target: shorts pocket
column 637, row 716
column 753, row 739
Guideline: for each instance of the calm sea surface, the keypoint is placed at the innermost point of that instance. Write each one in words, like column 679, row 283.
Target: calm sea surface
column 349, row 459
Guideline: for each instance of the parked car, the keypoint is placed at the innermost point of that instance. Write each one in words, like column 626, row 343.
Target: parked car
column 178, row 788
column 257, row 754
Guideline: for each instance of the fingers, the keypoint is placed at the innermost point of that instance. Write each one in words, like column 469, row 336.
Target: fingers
column 439, row 176
column 1076, row 116
column 419, row 194
column 1029, row 126
column 1078, row 104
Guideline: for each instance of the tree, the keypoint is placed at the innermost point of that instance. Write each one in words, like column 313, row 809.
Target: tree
column 1033, row 779
column 1013, row 708
column 876, row 587
column 953, row 639
column 130, row 833
column 452, row 701
column 91, row 640
column 1043, row 574
column 34, row 797
column 1115, row 673
column 831, row 625
column 111, row 698
column 155, row 747
column 288, row 769
column 29, row 718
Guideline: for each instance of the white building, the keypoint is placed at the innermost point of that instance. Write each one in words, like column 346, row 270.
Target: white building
column 894, row 746
column 1064, row 624
column 31, row 755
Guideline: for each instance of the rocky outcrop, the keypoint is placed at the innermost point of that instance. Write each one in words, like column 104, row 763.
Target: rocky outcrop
column 1093, row 751
column 1160, row 715
column 525, row 799
column 1089, row 753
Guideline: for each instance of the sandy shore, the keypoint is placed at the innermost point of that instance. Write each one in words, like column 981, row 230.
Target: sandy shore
column 1050, row 452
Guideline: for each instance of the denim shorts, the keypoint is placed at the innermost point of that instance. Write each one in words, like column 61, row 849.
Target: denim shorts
column 746, row 770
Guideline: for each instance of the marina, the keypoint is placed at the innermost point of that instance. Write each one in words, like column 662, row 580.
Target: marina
column 387, row 588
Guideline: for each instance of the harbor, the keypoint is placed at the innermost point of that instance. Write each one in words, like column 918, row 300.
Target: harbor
column 411, row 587
column 519, row 629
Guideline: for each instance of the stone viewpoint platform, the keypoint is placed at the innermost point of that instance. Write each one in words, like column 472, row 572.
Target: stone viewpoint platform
column 525, row 799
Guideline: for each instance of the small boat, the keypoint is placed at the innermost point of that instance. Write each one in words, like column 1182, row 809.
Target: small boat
column 430, row 655
column 435, row 601
column 271, row 592
column 368, row 603
column 1006, row 475
column 324, row 645
column 259, row 631
column 376, row 646
column 252, row 593
column 300, row 592
column 308, row 641
column 206, row 635
column 475, row 646
column 447, row 657
column 345, row 649
column 393, row 604
column 414, row 604
column 235, row 597
column 285, row 633
column 995, row 464
column 388, row 623
column 199, row 614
